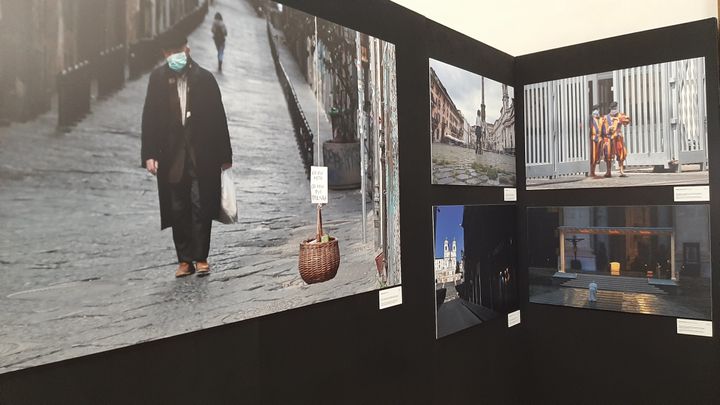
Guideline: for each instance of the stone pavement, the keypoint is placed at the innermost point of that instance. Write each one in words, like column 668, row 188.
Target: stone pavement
column 456, row 165
column 687, row 302
column 84, row 265
column 639, row 303
column 636, row 177
column 614, row 283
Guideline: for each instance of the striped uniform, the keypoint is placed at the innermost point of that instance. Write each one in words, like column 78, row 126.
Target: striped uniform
column 615, row 131
column 600, row 142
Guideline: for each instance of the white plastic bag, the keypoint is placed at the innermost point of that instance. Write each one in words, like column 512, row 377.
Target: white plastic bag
column 228, row 202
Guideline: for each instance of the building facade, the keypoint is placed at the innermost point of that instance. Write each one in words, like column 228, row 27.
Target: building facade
column 501, row 133
column 40, row 38
column 683, row 251
column 447, row 123
column 448, row 269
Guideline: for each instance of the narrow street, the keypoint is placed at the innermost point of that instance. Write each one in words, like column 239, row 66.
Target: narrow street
column 84, row 265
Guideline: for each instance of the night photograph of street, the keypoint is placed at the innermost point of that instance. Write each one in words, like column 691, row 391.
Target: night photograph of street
column 472, row 128
column 645, row 259
column 640, row 126
column 86, row 185
column 475, row 265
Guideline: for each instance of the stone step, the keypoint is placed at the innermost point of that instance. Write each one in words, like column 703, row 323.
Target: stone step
column 614, row 283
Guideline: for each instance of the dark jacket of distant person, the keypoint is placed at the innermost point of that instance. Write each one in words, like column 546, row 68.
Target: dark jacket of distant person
column 219, row 30
column 162, row 134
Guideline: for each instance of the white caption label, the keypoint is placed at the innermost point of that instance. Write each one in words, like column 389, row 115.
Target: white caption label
column 513, row 318
column 694, row 327
column 510, row 194
column 692, row 193
column 390, row 297
column 318, row 184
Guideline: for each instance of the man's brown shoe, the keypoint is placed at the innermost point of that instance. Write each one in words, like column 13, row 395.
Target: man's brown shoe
column 184, row 269
column 203, row 268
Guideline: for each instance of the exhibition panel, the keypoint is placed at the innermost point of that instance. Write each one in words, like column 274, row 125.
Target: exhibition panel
column 619, row 138
column 581, row 272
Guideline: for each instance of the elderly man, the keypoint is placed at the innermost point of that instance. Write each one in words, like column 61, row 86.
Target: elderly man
column 186, row 144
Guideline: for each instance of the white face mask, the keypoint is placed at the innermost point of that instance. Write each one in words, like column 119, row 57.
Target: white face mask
column 596, row 113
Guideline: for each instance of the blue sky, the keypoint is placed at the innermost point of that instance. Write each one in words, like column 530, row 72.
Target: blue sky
column 448, row 224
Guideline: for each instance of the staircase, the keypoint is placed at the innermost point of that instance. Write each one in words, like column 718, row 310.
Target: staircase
column 614, row 283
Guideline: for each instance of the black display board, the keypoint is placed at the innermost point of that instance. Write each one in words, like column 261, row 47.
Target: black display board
column 341, row 351
column 589, row 356
column 348, row 351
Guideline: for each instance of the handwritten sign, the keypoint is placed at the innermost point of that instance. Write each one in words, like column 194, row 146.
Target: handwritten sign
column 318, row 184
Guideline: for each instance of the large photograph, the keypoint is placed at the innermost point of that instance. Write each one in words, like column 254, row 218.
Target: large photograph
column 640, row 126
column 472, row 123
column 475, row 265
column 203, row 119
column 647, row 260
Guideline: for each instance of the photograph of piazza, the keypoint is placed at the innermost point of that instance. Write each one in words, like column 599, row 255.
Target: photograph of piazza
column 475, row 265
column 639, row 259
column 639, row 126
column 472, row 122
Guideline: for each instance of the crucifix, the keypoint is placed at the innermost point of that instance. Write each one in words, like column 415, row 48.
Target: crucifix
column 575, row 263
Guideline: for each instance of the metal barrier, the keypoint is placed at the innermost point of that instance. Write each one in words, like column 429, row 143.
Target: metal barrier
column 110, row 70
column 73, row 87
column 303, row 133
column 666, row 102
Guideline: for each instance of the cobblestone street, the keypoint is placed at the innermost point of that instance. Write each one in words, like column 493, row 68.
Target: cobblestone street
column 457, row 165
column 84, row 265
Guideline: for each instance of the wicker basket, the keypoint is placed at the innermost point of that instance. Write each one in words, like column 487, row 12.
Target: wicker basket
column 318, row 261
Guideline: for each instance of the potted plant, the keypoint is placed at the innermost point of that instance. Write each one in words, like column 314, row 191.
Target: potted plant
column 341, row 154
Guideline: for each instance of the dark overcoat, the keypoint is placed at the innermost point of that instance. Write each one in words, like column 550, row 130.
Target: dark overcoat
column 208, row 135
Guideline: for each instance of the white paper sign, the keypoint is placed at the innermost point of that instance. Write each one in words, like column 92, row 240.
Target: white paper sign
column 510, row 194
column 692, row 193
column 390, row 297
column 318, row 185
column 513, row 318
column 694, row 327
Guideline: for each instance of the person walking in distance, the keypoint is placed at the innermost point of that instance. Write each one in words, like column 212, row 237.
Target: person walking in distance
column 186, row 144
column 219, row 32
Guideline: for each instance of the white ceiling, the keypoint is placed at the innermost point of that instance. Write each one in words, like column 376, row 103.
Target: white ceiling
column 523, row 26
